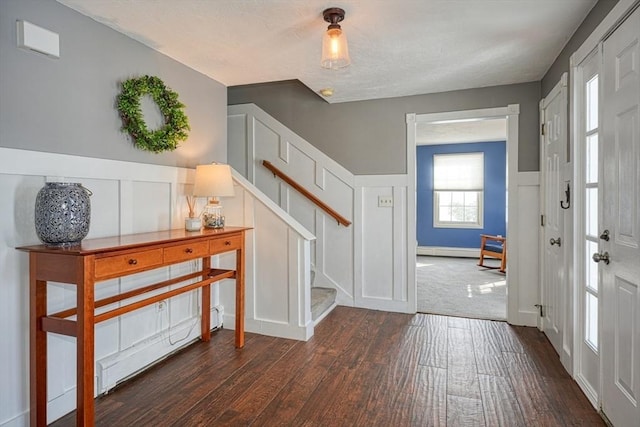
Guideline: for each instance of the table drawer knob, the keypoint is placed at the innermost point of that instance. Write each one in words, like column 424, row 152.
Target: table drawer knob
column 133, row 261
column 189, row 250
column 227, row 243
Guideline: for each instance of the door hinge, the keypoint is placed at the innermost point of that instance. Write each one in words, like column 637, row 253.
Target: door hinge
column 540, row 308
column 541, row 220
column 542, row 129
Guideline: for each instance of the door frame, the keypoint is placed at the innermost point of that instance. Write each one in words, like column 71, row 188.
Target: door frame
column 511, row 112
column 593, row 43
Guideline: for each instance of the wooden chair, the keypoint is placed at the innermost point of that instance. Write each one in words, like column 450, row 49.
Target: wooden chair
column 493, row 247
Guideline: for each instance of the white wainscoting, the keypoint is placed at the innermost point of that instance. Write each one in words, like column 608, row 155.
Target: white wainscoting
column 381, row 242
column 366, row 262
column 254, row 136
column 523, row 280
column 130, row 198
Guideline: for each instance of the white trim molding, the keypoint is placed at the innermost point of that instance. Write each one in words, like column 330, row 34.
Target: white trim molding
column 522, row 217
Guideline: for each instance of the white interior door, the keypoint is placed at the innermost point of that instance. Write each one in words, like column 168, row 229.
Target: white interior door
column 554, row 284
column 620, row 254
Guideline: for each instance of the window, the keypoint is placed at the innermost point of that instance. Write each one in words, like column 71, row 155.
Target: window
column 458, row 184
column 590, row 220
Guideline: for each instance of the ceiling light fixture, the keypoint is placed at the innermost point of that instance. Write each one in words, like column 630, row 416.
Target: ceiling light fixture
column 326, row 92
column 335, row 52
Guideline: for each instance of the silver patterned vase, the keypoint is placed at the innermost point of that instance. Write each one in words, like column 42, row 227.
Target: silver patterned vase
column 62, row 213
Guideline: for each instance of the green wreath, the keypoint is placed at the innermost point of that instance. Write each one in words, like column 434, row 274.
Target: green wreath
column 176, row 124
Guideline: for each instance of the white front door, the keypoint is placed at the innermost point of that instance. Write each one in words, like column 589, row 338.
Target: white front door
column 554, row 283
column 620, row 255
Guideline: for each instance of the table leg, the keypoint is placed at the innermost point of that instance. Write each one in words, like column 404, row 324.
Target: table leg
column 85, row 342
column 240, row 296
column 38, row 346
column 205, row 323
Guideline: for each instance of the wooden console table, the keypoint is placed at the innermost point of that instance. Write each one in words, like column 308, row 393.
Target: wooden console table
column 95, row 260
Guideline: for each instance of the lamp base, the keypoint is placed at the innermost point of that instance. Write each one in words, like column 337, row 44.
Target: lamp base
column 212, row 216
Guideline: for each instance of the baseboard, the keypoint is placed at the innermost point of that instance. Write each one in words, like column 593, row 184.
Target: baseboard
column 273, row 329
column 588, row 391
column 115, row 368
column 446, row 251
column 384, row 305
column 525, row 318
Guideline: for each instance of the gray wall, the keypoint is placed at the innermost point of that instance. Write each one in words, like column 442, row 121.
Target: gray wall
column 561, row 64
column 369, row 137
column 67, row 105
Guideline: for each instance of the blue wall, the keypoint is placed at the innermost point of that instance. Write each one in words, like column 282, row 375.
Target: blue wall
column 494, row 195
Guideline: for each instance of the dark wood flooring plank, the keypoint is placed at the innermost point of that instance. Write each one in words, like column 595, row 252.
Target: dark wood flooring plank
column 250, row 404
column 487, row 349
column 360, row 330
column 572, row 405
column 458, row 322
column 288, row 402
column 435, row 351
column 499, row 402
column 506, row 336
column 462, row 373
column 537, row 346
column 462, row 411
column 362, row 368
column 430, row 400
column 531, row 391
column 389, row 339
column 324, row 397
column 230, row 389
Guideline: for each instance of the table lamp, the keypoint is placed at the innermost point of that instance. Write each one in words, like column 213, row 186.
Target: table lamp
column 213, row 181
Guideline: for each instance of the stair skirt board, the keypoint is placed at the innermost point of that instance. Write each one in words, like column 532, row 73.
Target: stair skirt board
column 329, row 309
column 323, row 300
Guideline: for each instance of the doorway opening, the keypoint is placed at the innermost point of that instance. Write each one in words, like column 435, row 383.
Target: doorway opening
column 460, row 195
column 463, row 264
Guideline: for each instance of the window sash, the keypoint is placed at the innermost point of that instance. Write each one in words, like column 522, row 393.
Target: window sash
column 445, row 202
column 458, row 172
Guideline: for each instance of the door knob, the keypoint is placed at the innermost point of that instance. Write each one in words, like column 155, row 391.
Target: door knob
column 605, row 235
column 597, row 257
column 557, row 241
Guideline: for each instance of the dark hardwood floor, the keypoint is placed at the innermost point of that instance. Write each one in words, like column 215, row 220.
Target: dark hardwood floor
column 362, row 368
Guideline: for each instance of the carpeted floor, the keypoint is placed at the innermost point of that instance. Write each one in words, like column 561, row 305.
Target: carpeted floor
column 459, row 287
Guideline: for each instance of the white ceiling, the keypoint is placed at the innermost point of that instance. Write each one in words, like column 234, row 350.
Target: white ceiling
column 397, row 48
column 459, row 131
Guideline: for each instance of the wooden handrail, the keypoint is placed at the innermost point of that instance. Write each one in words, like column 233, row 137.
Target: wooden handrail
column 306, row 193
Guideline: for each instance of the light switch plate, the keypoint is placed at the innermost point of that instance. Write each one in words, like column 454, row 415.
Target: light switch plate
column 385, row 201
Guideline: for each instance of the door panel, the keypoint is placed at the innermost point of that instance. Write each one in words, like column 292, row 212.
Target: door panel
column 621, row 278
column 554, row 286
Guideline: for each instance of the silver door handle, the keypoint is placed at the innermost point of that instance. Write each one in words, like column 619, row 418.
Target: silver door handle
column 597, row 257
column 557, row 241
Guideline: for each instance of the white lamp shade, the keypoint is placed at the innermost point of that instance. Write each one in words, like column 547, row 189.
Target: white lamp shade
column 213, row 181
column 335, row 52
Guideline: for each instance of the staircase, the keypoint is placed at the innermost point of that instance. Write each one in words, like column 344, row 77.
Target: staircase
column 323, row 300
column 312, row 188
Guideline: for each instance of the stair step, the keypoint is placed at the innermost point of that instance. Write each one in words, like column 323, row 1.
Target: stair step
column 322, row 299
